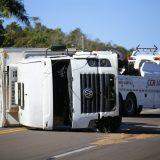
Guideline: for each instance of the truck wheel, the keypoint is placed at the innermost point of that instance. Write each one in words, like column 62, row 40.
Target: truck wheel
column 109, row 124
column 113, row 123
column 130, row 106
column 101, row 125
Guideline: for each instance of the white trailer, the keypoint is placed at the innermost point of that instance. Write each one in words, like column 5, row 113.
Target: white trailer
column 8, row 76
column 140, row 92
column 79, row 91
column 9, row 57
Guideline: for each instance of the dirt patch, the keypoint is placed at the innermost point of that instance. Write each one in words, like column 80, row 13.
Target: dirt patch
column 120, row 138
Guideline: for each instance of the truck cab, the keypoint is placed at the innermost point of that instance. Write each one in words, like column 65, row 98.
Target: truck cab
column 62, row 91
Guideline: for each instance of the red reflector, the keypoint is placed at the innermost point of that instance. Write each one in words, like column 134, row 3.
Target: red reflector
column 157, row 58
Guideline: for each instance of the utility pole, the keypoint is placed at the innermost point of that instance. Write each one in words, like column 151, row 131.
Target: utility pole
column 82, row 38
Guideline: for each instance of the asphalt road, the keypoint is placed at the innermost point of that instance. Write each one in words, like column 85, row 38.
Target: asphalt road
column 138, row 139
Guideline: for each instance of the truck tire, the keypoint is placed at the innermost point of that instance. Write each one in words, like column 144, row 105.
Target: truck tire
column 109, row 124
column 101, row 125
column 113, row 123
column 130, row 107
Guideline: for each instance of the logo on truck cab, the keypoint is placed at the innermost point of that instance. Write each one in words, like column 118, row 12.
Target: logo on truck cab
column 88, row 93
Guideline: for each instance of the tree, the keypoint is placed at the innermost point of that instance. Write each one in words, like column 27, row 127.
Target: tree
column 12, row 34
column 75, row 38
column 11, row 8
column 2, row 31
column 57, row 37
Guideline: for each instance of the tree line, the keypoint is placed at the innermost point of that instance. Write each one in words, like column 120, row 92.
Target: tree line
column 38, row 35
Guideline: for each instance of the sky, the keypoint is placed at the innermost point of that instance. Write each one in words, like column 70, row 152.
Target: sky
column 123, row 22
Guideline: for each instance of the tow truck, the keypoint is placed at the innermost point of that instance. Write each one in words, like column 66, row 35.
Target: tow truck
column 139, row 87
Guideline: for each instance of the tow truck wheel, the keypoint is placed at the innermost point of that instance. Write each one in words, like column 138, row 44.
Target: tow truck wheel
column 130, row 106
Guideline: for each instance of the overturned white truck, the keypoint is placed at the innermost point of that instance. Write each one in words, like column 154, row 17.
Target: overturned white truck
column 62, row 91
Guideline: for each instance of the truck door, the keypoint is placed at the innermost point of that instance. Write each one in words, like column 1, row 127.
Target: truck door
column 109, row 67
column 80, row 69
column 150, row 94
column 157, row 93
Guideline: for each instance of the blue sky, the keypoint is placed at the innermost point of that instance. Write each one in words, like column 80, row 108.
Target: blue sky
column 124, row 22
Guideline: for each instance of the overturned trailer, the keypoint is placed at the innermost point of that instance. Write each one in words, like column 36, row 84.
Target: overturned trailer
column 9, row 57
column 8, row 76
column 62, row 91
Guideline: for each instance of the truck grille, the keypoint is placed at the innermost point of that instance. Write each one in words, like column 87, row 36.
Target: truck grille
column 96, row 93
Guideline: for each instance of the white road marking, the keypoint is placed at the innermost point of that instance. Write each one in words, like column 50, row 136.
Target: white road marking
column 151, row 126
column 125, row 141
column 72, row 152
